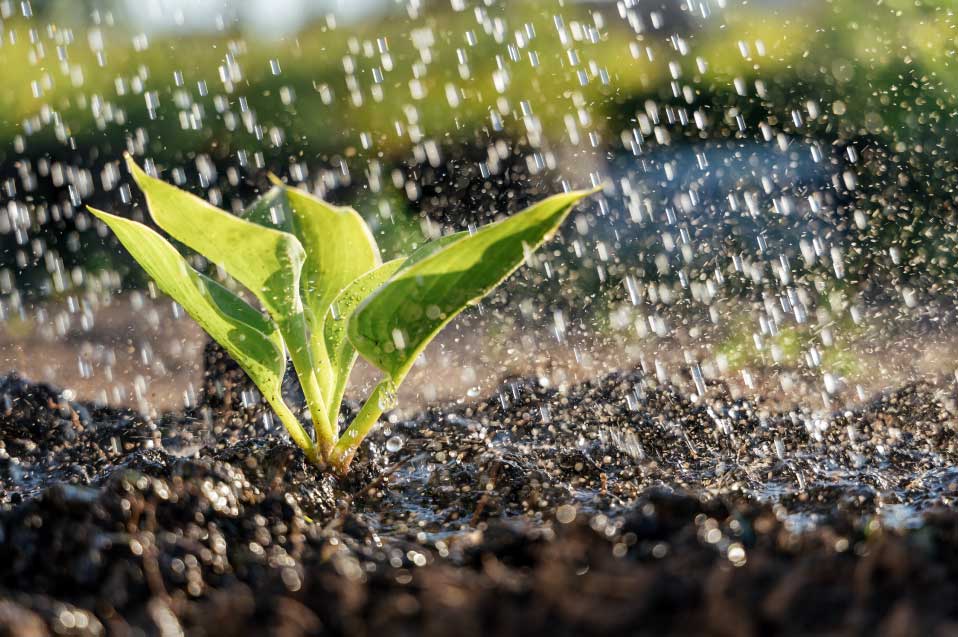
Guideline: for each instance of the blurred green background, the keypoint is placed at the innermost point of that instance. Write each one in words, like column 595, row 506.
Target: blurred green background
column 783, row 170
column 395, row 106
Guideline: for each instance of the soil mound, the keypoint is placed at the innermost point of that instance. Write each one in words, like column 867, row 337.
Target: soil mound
column 616, row 507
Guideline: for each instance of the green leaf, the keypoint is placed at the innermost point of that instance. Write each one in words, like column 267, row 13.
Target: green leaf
column 339, row 248
column 265, row 260
column 342, row 354
column 250, row 339
column 271, row 210
column 431, row 247
column 395, row 323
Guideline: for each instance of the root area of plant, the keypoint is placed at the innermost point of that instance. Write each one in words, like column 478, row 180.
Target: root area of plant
column 617, row 507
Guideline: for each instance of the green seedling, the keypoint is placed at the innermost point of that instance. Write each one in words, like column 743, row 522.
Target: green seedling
column 325, row 294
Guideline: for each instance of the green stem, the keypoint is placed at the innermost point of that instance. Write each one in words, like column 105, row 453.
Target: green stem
column 325, row 436
column 360, row 427
column 324, row 369
column 336, row 398
column 295, row 333
column 293, row 426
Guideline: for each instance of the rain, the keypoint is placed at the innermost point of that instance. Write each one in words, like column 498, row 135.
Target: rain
column 734, row 362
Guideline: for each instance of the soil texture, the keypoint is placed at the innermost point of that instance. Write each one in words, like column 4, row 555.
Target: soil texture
column 616, row 507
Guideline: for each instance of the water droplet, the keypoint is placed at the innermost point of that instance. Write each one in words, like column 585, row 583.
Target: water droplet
column 394, row 444
column 387, row 397
column 566, row 513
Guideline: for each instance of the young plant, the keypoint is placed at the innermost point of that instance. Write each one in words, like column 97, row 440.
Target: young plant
column 325, row 293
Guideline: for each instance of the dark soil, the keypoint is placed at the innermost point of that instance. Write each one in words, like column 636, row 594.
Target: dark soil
column 619, row 507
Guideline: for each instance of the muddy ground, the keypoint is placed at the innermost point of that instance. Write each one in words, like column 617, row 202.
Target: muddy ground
column 618, row 506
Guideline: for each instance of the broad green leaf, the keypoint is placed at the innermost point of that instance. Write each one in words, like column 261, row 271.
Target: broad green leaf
column 342, row 354
column 339, row 248
column 271, row 210
column 396, row 322
column 250, row 339
column 265, row 260
column 431, row 247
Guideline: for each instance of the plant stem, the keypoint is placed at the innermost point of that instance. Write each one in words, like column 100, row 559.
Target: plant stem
column 336, row 399
column 295, row 429
column 296, row 335
column 361, row 425
column 325, row 436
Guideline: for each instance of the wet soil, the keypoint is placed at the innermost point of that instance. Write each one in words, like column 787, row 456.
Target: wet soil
column 618, row 506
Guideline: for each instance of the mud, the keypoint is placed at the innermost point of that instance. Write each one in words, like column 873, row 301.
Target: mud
column 618, row 506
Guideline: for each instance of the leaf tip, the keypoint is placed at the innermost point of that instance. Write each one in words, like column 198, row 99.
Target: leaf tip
column 273, row 179
column 133, row 167
column 598, row 188
column 588, row 192
column 99, row 214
